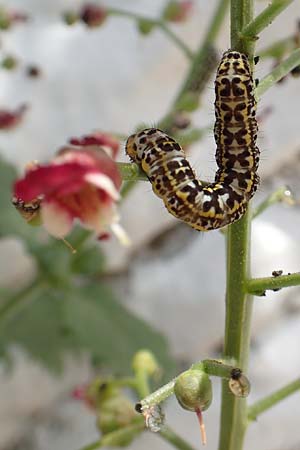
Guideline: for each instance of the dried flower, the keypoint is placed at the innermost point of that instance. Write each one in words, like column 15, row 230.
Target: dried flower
column 93, row 15
column 10, row 119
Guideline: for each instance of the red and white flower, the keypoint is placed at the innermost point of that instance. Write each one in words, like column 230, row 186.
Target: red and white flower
column 81, row 183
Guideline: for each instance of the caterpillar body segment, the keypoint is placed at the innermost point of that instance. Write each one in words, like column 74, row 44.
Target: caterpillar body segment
column 220, row 203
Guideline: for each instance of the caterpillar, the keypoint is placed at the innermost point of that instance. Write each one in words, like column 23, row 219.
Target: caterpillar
column 225, row 200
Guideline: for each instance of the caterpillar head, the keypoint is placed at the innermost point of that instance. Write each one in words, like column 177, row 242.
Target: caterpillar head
column 137, row 143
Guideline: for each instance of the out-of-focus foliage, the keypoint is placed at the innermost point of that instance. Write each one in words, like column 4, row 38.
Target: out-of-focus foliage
column 67, row 309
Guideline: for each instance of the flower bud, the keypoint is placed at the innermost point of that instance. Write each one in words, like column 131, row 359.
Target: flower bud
column 177, row 11
column 70, row 17
column 9, row 62
column 93, row 15
column 193, row 390
column 145, row 26
column 145, row 360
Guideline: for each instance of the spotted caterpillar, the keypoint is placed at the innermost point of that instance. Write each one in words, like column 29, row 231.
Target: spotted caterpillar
column 220, row 203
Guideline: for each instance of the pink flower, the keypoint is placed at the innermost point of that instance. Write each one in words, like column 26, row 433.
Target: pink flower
column 98, row 138
column 93, row 15
column 79, row 184
column 178, row 11
column 10, row 119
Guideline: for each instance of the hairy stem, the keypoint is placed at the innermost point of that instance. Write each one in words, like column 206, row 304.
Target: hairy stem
column 279, row 72
column 264, row 19
column 237, row 332
column 238, row 303
column 258, row 286
column 268, row 402
column 160, row 395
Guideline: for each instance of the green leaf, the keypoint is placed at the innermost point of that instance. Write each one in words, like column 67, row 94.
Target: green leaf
column 82, row 318
column 88, row 261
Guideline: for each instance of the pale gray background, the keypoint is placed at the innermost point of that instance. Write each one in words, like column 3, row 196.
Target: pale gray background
column 112, row 79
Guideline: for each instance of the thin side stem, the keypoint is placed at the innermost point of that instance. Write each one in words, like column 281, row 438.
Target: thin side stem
column 283, row 194
column 19, row 300
column 216, row 368
column 268, row 402
column 258, row 286
column 177, row 41
column 279, row 72
column 264, row 19
column 93, row 445
column 155, row 23
column 170, row 436
column 131, row 172
column 160, row 395
column 115, row 438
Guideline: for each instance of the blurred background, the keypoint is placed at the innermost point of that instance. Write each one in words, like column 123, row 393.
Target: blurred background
column 165, row 292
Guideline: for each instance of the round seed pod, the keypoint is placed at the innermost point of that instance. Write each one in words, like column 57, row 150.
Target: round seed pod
column 193, row 390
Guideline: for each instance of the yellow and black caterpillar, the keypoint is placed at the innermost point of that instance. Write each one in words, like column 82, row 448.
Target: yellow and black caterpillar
column 163, row 160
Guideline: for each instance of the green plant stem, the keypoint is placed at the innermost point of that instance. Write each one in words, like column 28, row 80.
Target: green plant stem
column 156, row 23
column 268, row 402
column 215, row 368
column 279, row 72
column 238, row 304
column 264, row 19
column 160, row 395
column 21, row 299
column 283, row 194
column 177, row 41
column 142, row 383
column 279, row 49
column 112, row 439
column 131, row 172
column 237, row 332
column 93, row 445
column 170, row 436
column 258, row 286
column 241, row 14
column 198, row 75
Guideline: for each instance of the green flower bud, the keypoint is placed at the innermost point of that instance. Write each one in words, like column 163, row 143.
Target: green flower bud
column 115, row 412
column 70, row 17
column 145, row 360
column 145, row 26
column 9, row 62
column 193, row 390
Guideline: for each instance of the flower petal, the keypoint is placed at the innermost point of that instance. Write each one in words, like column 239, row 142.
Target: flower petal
column 57, row 221
column 103, row 182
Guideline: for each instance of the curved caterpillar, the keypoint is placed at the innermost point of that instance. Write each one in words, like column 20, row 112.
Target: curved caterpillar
column 163, row 160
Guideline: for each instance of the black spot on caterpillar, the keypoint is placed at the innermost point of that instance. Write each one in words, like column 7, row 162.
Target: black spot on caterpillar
column 163, row 160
